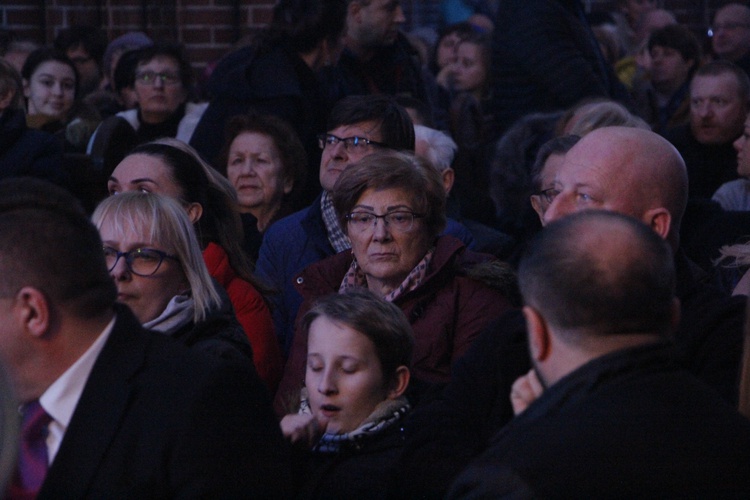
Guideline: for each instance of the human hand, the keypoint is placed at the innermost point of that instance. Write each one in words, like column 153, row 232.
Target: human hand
column 302, row 428
column 526, row 389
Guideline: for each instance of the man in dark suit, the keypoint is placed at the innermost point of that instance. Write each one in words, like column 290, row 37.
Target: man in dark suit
column 131, row 413
column 606, row 410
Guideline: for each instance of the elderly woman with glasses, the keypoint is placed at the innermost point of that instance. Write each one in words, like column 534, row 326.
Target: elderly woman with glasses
column 392, row 208
column 153, row 255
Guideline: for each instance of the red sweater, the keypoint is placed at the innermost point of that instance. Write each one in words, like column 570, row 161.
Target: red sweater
column 252, row 313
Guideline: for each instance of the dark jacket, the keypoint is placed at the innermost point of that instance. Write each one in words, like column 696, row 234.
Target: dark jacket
column 394, row 70
column 158, row 420
column 360, row 470
column 271, row 81
column 708, row 165
column 293, row 243
column 444, row 435
column 29, row 152
column 629, row 424
column 545, row 58
column 446, row 312
column 219, row 334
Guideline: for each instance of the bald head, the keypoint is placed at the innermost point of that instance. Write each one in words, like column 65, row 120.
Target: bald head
column 627, row 170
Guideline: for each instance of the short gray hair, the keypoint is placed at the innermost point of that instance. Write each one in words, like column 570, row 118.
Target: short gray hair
column 441, row 148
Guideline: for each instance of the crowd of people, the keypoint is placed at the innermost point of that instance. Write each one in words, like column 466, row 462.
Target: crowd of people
column 504, row 255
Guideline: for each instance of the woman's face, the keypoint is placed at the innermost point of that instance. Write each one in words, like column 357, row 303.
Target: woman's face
column 147, row 296
column 51, row 90
column 344, row 378
column 446, row 50
column 387, row 255
column 549, row 170
column 255, row 170
column 469, row 70
column 159, row 89
column 146, row 173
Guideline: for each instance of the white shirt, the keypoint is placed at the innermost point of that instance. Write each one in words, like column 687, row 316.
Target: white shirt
column 60, row 398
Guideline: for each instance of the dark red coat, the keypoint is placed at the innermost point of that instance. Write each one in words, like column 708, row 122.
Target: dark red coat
column 447, row 312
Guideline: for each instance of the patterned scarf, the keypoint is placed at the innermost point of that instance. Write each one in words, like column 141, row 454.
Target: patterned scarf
column 339, row 241
column 355, row 277
column 386, row 414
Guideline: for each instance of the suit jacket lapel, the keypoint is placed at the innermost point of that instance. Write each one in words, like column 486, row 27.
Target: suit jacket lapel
column 97, row 416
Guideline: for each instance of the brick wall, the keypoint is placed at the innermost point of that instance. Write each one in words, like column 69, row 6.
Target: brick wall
column 208, row 28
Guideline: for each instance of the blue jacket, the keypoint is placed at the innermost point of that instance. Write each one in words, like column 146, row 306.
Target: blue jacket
column 293, row 243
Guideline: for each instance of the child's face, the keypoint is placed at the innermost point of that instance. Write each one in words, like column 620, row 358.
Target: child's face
column 344, row 378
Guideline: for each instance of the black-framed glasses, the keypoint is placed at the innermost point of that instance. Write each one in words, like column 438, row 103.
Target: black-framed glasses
column 150, row 77
column 401, row 220
column 730, row 26
column 352, row 143
column 139, row 261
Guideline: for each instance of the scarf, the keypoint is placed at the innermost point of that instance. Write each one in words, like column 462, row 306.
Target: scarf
column 178, row 313
column 386, row 414
column 355, row 277
column 339, row 241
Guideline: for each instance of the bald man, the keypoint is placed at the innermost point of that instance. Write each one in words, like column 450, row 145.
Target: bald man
column 616, row 416
column 731, row 34
column 633, row 172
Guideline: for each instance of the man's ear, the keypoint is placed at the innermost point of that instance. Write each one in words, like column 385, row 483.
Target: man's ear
column 195, row 212
column 6, row 99
column 536, row 204
column 288, row 184
column 399, row 383
column 354, row 10
column 32, row 311
column 539, row 336
column 449, row 177
column 660, row 220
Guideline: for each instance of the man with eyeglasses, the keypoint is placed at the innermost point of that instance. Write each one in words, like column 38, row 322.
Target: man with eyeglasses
column 357, row 126
column 730, row 34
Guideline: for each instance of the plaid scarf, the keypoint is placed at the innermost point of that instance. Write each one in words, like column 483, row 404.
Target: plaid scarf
column 339, row 241
column 355, row 277
column 386, row 414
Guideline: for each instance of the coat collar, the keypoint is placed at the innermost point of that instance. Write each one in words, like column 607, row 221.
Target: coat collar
column 97, row 416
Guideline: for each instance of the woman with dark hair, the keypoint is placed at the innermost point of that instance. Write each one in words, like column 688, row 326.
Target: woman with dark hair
column 392, row 208
column 163, row 83
column 266, row 163
column 174, row 169
column 277, row 75
column 50, row 86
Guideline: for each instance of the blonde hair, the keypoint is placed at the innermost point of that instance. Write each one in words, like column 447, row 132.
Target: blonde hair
column 160, row 219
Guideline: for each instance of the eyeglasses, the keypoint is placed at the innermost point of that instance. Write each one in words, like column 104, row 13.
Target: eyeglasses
column 140, row 261
column 726, row 26
column 353, row 143
column 150, row 77
column 400, row 221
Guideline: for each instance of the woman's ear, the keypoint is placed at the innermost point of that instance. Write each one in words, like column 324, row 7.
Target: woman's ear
column 26, row 88
column 288, row 184
column 195, row 211
column 399, row 382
